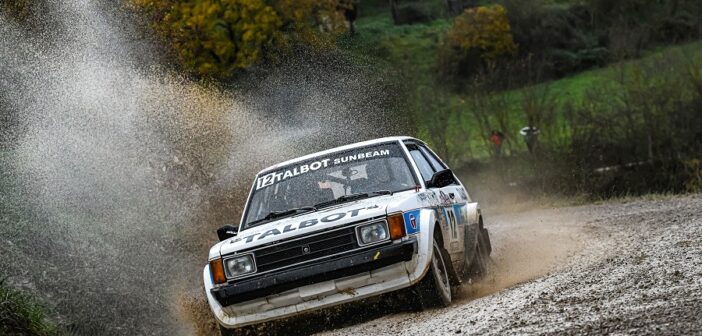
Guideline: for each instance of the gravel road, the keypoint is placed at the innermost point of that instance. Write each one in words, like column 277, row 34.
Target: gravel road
column 616, row 268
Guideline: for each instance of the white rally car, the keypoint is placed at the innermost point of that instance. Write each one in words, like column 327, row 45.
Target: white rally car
column 342, row 225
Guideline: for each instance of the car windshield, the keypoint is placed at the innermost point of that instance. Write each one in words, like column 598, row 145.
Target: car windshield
column 295, row 188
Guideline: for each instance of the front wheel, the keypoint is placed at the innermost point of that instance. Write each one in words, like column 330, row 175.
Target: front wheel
column 435, row 288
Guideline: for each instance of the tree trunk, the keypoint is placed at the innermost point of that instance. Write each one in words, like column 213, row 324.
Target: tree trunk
column 393, row 9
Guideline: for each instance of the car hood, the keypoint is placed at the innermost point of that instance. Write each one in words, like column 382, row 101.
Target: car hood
column 307, row 223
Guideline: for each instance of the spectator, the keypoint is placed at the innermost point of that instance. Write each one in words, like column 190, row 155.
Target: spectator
column 350, row 9
column 530, row 134
column 497, row 138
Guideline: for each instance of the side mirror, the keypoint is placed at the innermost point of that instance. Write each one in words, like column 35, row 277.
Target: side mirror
column 227, row 231
column 442, row 179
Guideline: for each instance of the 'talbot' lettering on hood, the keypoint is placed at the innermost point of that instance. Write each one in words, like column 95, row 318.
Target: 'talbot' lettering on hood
column 275, row 177
column 307, row 223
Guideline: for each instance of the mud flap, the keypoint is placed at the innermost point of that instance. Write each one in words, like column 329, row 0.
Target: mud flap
column 486, row 241
column 472, row 234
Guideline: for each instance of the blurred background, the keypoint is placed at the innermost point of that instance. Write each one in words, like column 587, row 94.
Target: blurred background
column 130, row 130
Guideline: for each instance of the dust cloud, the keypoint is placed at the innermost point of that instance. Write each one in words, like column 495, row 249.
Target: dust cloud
column 121, row 168
column 526, row 245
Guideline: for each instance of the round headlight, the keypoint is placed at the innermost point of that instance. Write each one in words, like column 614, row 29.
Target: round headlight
column 373, row 233
column 239, row 265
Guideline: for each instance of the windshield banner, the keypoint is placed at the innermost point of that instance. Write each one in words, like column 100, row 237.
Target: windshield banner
column 348, row 157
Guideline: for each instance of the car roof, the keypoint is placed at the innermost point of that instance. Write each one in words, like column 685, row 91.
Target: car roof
column 339, row 149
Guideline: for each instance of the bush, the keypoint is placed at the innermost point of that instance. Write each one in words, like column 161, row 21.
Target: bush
column 641, row 133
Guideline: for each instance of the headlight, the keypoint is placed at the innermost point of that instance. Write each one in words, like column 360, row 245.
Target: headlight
column 239, row 265
column 373, row 233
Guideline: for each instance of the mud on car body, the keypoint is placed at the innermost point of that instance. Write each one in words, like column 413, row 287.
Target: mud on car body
column 342, row 225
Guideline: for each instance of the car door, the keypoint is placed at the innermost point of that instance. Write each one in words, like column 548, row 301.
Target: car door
column 452, row 208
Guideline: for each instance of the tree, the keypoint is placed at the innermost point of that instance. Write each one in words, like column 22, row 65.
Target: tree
column 217, row 38
column 478, row 39
column 484, row 30
column 313, row 23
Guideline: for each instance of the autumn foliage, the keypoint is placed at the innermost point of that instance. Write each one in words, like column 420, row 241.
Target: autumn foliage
column 311, row 22
column 214, row 37
column 482, row 29
column 478, row 39
column 217, row 38
column 18, row 9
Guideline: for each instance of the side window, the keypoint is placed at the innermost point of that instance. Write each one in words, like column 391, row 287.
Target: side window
column 424, row 166
column 435, row 163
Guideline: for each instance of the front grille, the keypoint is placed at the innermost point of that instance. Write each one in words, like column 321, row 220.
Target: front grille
column 301, row 250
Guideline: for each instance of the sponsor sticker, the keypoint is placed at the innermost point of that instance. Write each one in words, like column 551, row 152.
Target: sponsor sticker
column 282, row 175
column 445, row 199
column 411, row 221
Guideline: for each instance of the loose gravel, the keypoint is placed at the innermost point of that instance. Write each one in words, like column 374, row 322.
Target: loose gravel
column 617, row 268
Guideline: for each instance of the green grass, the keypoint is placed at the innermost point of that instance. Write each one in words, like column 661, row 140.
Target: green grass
column 408, row 48
column 21, row 315
column 573, row 89
column 411, row 50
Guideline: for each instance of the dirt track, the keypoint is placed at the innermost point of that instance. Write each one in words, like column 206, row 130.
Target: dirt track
column 623, row 268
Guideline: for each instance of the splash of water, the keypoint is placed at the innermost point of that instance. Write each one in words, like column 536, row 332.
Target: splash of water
column 116, row 159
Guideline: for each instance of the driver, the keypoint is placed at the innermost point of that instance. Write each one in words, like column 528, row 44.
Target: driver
column 377, row 176
column 307, row 191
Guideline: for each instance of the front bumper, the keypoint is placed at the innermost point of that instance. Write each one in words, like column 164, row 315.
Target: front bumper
column 278, row 282
column 341, row 289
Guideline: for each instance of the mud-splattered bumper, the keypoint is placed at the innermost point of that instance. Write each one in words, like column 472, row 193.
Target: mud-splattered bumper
column 372, row 272
column 279, row 282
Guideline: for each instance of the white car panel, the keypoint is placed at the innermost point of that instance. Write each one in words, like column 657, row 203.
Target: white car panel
column 450, row 208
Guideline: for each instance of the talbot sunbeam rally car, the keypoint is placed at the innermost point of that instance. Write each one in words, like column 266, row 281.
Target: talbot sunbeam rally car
column 343, row 225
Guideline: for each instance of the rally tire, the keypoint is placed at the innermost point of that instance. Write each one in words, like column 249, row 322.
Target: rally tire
column 435, row 288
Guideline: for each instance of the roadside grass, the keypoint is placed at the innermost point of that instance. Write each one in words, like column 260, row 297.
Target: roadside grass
column 20, row 314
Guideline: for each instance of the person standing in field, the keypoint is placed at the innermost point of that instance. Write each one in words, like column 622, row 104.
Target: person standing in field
column 350, row 9
column 530, row 134
column 497, row 138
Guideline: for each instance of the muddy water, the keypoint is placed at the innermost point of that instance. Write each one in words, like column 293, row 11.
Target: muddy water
column 118, row 163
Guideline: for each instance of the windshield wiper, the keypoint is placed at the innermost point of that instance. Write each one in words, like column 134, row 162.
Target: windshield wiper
column 280, row 214
column 352, row 197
